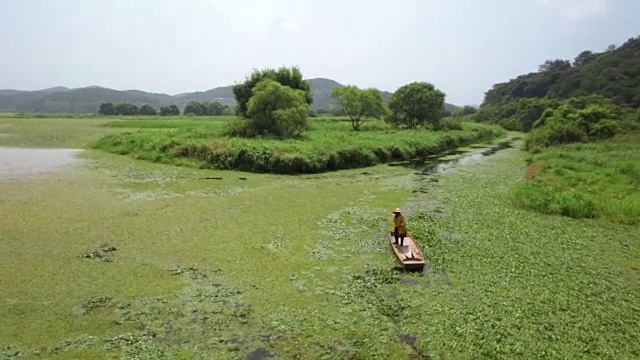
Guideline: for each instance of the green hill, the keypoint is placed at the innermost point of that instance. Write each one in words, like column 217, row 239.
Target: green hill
column 608, row 82
column 614, row 74
column 88, row 99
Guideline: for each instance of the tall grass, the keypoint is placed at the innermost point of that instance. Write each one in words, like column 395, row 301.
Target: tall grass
column 328, row 145
column 600, row 179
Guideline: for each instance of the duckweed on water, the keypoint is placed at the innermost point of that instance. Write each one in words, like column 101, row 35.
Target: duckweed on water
column 206, row 317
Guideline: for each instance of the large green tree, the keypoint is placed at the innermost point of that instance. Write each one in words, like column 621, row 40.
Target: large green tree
column 359, row 104
column 277, row 110
column 127, row 109
column 291, row 77
column 107, row 109
column 170, row 110
column 463, row 111
column 147, row 109
column 193, row 108
column 205, row 109
column 417, row 103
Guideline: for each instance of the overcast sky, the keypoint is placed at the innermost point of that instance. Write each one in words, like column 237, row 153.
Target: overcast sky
column 175, row 46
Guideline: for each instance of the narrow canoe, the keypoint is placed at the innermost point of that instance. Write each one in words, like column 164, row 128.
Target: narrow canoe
column 409, row 255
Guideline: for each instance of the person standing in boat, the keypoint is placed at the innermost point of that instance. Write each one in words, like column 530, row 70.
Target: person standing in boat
column 399, row 226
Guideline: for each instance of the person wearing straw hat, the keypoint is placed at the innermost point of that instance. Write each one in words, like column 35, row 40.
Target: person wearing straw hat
column 399, row 226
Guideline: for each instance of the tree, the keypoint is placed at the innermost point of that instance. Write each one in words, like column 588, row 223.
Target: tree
column 417, row 103
column 147, row 109
column 359, row 104
column 215, row 108
column 554, row 66
column 291, row 77
column 205, row 109
column 465, row 110
column 195, row 108
column 127, row 109
column 275, row 109
column 107, row 109
column 583, row 58
column 170, row 110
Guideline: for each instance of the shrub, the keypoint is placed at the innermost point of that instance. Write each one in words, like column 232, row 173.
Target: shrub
column 604, row 129
column 566, row 124
column 450, row 123
column 537, row 197
column 516, row 115
column 240, row 128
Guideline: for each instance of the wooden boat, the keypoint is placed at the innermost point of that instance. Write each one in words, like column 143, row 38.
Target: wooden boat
column 409, row 255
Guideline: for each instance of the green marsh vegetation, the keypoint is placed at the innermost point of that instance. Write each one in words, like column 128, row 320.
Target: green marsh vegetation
column 328, row 144
column 274, row 134
column 596, row 179
column 583, row 134
column 229, row 264
column 297, row 266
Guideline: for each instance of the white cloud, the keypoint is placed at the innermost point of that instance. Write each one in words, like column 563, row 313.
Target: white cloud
column 577, row 10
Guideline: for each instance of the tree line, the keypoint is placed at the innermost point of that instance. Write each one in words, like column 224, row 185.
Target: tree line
column 276, row 102
column 592, row 98
column 614, row 74
column 193, row 108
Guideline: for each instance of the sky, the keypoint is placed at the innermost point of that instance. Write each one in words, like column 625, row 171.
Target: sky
column 463, row 47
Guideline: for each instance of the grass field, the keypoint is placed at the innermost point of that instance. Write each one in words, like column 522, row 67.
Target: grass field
column 296, row 266
column 329, row 144
column 600, row 179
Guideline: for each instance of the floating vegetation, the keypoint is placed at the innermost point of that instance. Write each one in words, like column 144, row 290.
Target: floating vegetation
column 103, row 252
column 145, row 195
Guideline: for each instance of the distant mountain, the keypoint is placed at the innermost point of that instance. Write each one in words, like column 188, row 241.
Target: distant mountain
column 88, row 99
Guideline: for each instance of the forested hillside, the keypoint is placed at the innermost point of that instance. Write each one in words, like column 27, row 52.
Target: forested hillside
column 609, row 80
column 582, row 119
column 613, row 74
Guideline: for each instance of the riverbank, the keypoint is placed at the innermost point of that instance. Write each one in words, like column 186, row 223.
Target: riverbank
column 585, row 180
column 329, row 145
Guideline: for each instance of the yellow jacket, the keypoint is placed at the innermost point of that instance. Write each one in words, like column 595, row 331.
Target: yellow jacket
column 399, row 222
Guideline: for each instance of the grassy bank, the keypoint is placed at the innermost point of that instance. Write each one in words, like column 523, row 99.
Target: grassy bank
column 52, row 132
column 329, row 145
column 600, row 179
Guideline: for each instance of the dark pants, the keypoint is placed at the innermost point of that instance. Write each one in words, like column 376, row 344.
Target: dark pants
column 399, row 236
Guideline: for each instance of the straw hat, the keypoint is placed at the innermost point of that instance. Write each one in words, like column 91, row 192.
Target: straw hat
column 397, row 210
